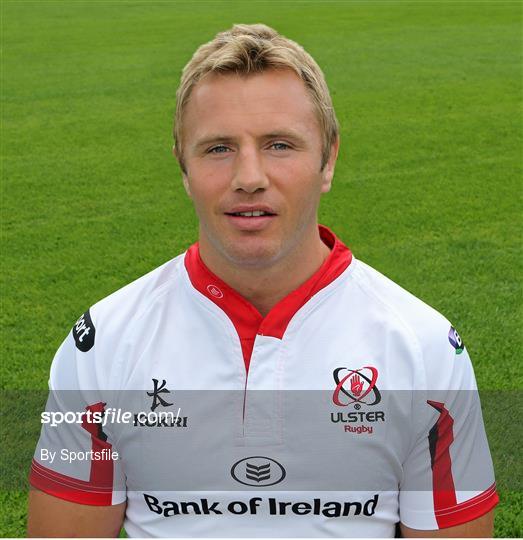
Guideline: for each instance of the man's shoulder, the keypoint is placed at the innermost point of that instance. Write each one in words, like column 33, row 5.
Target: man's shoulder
column 134, row 299
column 86, row 356
column 394, row 296
column 427, row 326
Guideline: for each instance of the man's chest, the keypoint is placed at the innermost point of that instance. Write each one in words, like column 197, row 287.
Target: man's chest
column 316, row 410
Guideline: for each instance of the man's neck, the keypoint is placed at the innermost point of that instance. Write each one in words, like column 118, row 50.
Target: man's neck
column 265, row 287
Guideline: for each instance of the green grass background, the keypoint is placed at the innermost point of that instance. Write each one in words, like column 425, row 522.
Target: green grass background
column 427, row 189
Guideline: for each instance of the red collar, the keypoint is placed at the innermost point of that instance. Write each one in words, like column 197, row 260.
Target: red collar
column 246, row 318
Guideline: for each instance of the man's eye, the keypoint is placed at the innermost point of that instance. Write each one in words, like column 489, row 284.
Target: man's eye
column 220, row 149
column 280, row 146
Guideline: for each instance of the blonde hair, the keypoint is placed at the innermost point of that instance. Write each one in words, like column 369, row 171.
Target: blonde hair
column 254, row 48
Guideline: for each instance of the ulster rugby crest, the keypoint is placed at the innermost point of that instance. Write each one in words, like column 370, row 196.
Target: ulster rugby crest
column 356, row 386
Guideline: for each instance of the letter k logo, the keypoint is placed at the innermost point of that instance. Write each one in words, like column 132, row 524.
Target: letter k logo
column 155, row 394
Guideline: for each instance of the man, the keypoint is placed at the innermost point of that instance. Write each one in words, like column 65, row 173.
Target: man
column 318, row 398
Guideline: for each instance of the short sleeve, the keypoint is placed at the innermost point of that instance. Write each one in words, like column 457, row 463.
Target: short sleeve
column 75, row 459
column 448, row 477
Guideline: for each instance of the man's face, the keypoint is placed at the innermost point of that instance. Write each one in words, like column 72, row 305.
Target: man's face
column 252, row 149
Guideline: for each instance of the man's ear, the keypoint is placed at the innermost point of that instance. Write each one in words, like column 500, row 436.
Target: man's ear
column 328, row 169
column 186, row 185
column 184, row 173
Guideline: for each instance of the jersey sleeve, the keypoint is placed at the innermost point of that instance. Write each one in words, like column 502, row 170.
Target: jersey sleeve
column 448, row 476
column 75, row 459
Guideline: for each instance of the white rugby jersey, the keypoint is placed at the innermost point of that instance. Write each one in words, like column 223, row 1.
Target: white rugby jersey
column 350, row 407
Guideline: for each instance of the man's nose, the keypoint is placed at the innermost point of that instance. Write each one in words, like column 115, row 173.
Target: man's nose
column 249, row 174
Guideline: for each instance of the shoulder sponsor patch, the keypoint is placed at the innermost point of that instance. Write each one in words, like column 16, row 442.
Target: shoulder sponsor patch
column 455, row 340
column 84, row 332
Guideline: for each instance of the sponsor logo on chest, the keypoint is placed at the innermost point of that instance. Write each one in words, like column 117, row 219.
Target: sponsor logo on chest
column 261, row 505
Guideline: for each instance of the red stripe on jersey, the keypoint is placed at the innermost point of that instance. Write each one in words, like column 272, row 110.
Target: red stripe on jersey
column 68, row 488
column 246, row 318
column 441, row 437
column 447, row 511
column 101, row 470
column 468, row 510
column 98, row 489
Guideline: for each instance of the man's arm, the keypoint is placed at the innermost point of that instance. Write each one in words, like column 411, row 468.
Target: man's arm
column 483, row 527
column 53, row 517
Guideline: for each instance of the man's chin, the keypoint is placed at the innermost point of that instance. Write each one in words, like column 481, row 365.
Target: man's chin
column 253, row 253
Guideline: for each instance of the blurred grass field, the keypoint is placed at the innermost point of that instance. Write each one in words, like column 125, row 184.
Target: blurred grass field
column 427, row 189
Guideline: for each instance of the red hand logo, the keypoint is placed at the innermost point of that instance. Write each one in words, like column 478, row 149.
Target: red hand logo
column 356, row 385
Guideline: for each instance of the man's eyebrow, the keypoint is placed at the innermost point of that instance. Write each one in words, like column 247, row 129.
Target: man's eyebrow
column 286, row 134
column 213, row 139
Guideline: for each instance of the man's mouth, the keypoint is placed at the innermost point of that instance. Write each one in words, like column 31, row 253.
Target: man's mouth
column 253, row 213
column 250, row 219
